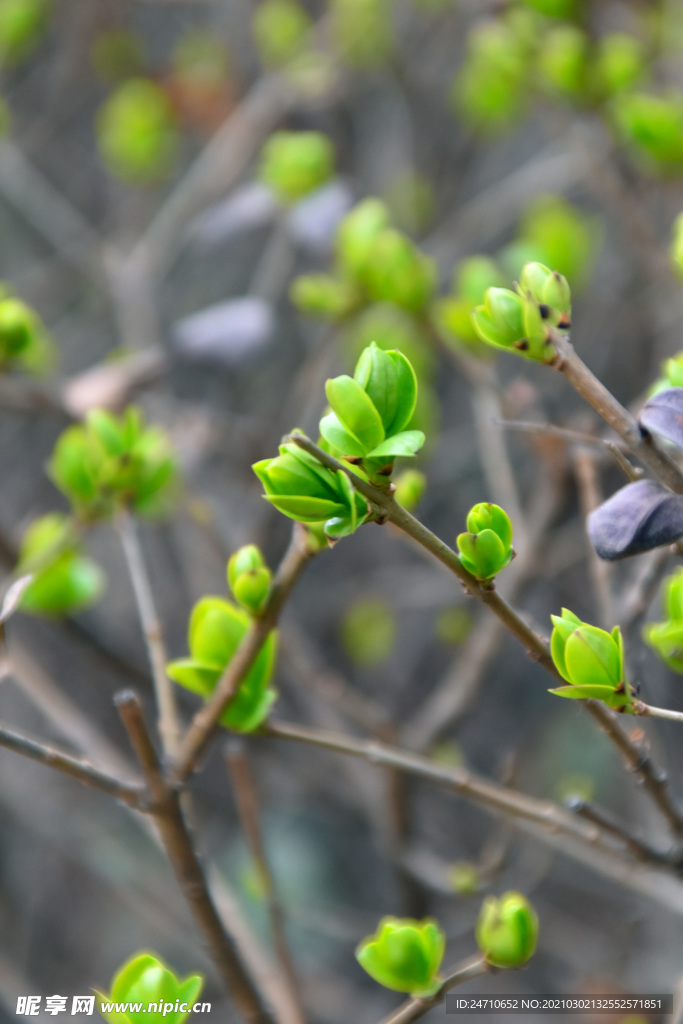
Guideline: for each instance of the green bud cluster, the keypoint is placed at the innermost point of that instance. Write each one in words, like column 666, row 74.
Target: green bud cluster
column 453, row 314
column 302, row 489
column 112, row 462
column 486, row 548
column 281, row 31
column 23, row 23
column 362, row 31
column 491, row 90
column 507, row 930
column 145, row 979
column 63, row 580
column 666, row 638
column 24, row 342
column 325, row 296
column 215, row 632
column 404, row 955
column 554, row 232
column 409, row 487
column 520, row 321
column 294, row 164
column 249, row 578
column 591, row 660
column 370, row 411
column 137, row 132
column 652, row 126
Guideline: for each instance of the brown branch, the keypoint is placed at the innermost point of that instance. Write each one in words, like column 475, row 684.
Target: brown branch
column 248, row 808
column 634, row 752
column 205, row 722
column 640, row 849
column 173, row 832
column 128, row 792
column 413, row 1009
column 613, row 413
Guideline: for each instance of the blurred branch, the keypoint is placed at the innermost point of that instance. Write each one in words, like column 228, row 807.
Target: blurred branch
column 413, row 1009
column 205, row 722
column 169, row 727
column 636, row 755
column 177, row 842
column 128, row 792
column 246, row 796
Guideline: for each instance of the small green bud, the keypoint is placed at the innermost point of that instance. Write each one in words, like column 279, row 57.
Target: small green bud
column 117, row 53
column 653, row 125
column 666, row 638
column 362, row 31
column 558, row 235
column 591, row 660
column 507, row 930
column 454, row 625
column 368, row 631
column 396, row 271
column 23, row 24
column 472, row 276
column 487, row 548
column 63, row 580
column 215, row 632
column 145, row 979
column 554, row 8
column 24, row 342
column 302, row 489
column 563, row 61
column 137, row 132
column 249, row 578
column 619, row 64
column 281, row 30
column 676, row 244
column 404, row 955
column 410, row 486
column 294, row 164
column 513, row 322
column 357, row 232
column 324, row 296
column 550, row 290
column 464, row 878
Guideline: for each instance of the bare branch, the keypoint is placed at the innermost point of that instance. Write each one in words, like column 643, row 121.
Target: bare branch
column 413, row 1009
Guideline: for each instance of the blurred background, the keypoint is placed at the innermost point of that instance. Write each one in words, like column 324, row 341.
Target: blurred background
column 139, row 221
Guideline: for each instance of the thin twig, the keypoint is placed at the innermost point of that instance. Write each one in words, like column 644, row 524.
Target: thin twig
column 248, row 807
column 413, row 1009
column 205, row 722
column 637, row 846
column 590, row 498
column 174, row 834
column 635, row 753
column 169, row 728
column 571, row 366
column 130, row 793
column 648, row 711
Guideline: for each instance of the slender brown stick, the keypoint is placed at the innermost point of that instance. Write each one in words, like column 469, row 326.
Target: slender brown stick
column 169, row 728
column 174, row 834
column 590, row 498
column 614, row 413
column 248, row 808
column 634, row 752
column 647, row 711
column 129, row 793
column 640, row 849
column 205, row 722
column 413, row 1009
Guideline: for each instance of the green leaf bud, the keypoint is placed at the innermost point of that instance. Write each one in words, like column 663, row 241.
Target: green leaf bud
column 249, row 578
column 464, row 878
column 281, row 30
column 507, row 930
column 215, row 632
column 666, row 638
column 362, row 31
column 472, row 276
column 137, row 132
column 145, row 979
column 652, row 125
column 556, row 234
column 396, row 271
column 302, row 489
column 294, row 164
column 368, row 631
column 591, row 660
column 491, row 88
column 357, row 232
column 550, row 290
column 23, row 24
column 404, row 955
column 487, row 548
column 410, row 486
column 554, row 8
column 563, row 61
column 24, row 342
column 324, row 296
column 513, row 322
column 63, row 580
column 619, row 63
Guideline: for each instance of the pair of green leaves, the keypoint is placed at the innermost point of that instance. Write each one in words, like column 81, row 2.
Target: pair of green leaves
column 109, row 462
column 404, row 955
column 145, row 979
column 591, row 660
column 215, row 632
column 302, row 489
column 63, row 579
column 370, row 411
column 487, row 548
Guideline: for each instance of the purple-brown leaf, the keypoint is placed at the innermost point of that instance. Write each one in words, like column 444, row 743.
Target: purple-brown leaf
column 639, row 517
column 663, row 415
